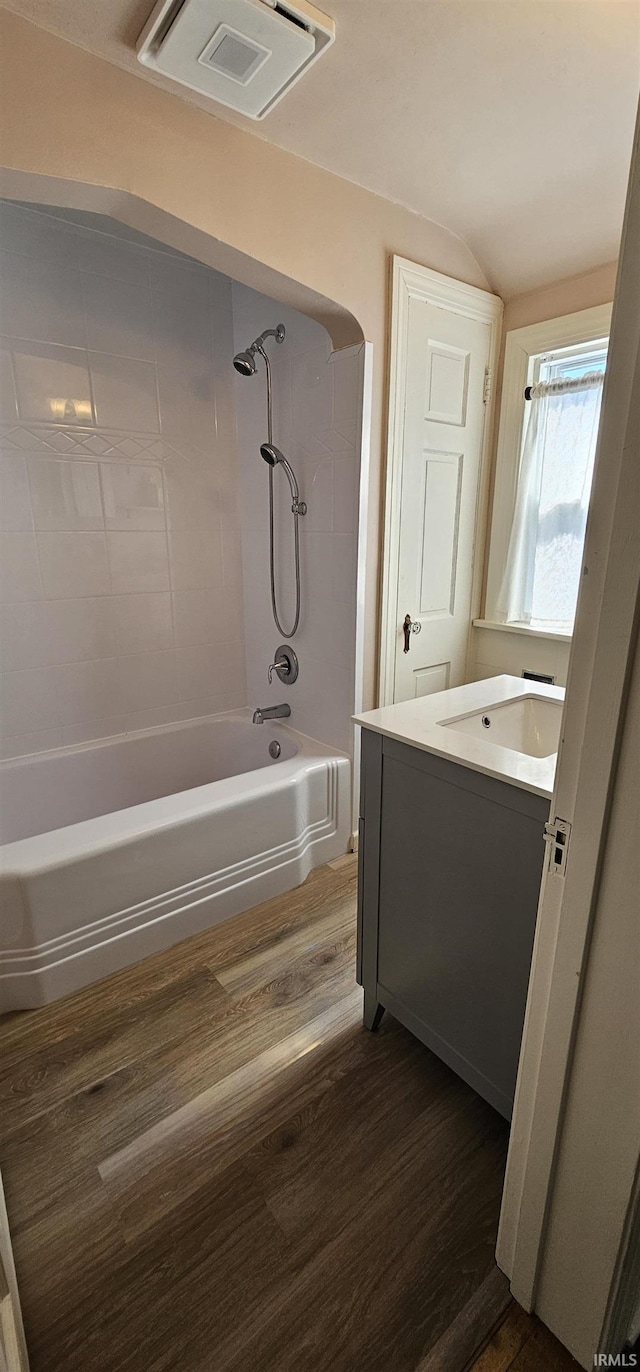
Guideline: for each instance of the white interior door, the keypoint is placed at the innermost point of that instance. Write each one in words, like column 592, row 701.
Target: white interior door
column 442, row 369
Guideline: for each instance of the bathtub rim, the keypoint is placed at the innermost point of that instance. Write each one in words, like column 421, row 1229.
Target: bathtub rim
column 72, row 841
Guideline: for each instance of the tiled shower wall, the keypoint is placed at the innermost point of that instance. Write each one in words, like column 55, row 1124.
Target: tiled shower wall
column 317, row 399
column 120, row 571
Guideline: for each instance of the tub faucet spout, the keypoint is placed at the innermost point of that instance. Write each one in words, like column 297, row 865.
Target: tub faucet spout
column 271, row 712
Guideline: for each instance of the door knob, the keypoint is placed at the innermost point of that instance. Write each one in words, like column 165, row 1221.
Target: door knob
column 409, row 627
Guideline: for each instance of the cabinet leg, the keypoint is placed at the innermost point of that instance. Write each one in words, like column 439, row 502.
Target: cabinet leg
column 373, row 1012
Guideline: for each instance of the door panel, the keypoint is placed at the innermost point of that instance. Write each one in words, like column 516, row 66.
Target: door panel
column 428, row 680
column 440, row 524
column 447, row 382
column 447, row 357
column 455, row 936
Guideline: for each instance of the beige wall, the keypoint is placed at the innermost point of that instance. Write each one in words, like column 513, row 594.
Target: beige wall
column 72, row 116
column 562, row 297
column 494, row 651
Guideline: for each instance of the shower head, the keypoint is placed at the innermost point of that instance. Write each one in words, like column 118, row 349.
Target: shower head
column 273, row 457
column 271, row 454
column 245, row 363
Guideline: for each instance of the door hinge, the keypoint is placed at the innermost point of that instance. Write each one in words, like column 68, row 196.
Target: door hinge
column 486, row 394
column 558, row 835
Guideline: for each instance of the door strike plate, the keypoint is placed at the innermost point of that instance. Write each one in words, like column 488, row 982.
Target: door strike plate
column 557, row 834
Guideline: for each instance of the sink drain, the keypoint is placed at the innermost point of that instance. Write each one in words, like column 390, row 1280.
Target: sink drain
column 486, row 722
column 274, row 749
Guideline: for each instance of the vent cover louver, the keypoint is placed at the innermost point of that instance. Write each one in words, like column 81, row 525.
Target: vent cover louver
column 234, row 55
column 243, row 53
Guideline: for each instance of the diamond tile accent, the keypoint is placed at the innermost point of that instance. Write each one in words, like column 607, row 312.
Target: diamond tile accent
column 61, row 442
column 75, row 443
column 130, row 448
column 97, row 445
column 18, row 438
column 162, row 451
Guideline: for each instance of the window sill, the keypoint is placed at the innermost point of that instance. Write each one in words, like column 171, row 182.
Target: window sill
column 522, row 629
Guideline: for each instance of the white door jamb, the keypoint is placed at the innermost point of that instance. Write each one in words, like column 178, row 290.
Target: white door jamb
column 601, row 657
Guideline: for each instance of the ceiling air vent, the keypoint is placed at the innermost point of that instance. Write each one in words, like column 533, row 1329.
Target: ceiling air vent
column 243, row 53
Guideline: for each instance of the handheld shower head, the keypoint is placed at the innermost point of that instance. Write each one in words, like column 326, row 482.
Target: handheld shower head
column 245, row 363
column 271, row 454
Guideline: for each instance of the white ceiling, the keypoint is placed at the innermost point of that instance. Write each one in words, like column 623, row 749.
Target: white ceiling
column 508, row 121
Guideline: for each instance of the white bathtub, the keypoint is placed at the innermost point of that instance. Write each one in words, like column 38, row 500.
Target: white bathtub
column 115, row 850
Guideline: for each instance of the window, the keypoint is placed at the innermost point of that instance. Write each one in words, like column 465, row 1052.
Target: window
column 544, row 471
column 542, row 572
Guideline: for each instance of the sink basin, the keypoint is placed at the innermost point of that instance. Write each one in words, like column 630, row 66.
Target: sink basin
column 530, row 724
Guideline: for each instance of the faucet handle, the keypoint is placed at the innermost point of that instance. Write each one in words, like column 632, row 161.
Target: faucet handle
column 281, row 665
column 286, row 665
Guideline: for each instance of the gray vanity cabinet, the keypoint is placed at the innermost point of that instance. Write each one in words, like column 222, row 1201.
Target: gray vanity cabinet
column 450, row 863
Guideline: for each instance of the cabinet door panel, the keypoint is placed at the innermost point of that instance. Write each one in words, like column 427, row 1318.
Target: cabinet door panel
column 459, row 879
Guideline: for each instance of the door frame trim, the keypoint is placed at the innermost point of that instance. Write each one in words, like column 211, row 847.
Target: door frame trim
column 410, row 281
column 600, row 667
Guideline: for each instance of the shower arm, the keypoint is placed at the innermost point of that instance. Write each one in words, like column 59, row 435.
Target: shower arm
column 278, row 334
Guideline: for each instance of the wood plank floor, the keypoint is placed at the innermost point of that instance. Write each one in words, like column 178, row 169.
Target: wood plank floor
column 210, row 1166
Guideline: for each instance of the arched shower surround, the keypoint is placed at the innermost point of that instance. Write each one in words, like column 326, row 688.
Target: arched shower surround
column 343, row 329
column 141, row 656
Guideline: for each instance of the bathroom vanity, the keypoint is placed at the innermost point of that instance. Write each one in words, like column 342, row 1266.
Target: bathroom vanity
column 455, row 793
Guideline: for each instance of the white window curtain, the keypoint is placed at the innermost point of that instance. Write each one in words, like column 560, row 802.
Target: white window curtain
column 542, row 572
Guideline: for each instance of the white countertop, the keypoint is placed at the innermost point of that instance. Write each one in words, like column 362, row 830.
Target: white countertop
column 417, row 722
